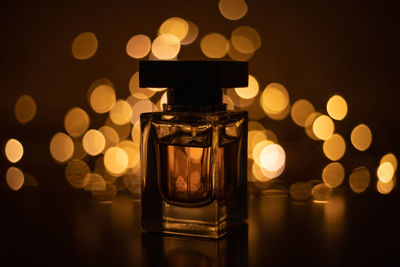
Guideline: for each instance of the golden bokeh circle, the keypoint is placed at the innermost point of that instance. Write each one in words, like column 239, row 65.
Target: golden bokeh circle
column 93, row 142
column 361, row 137
column 14, row 150
column 116, row 161
column 214, row 45
column 121, row 113
column 25, row 109
column 337, row 107
column 246, row 39
column 335, row 147
column 166, row 46
column 102, row 98
column 333, row 174
column 61, row 147
column 359, row 179
column 300, row 110
column 175, row 26
column 76, row 122
column 84, row 45
column 249, row 91
column 233, row 9
column 15, row 178
column 323, row 127
column 138, row 46
column 385, row 172
column 76, row 173
column 390, row 157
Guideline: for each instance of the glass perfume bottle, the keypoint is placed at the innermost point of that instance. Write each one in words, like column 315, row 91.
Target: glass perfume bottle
column 194, row 153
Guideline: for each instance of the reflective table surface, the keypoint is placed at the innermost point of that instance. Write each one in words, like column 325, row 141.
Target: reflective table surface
column 346, row 230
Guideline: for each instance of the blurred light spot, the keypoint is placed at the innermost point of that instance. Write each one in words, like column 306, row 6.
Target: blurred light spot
column 166, row 46
column 76, row 173
column 61, row 147
column 76, row 122
column 214, row 45
column 101, row 170
column 385, row 172
column 123, row 131
column 246, row 39
column 132, row 151
column 321, row 192
column 308, row 127
column 138, row 46
column 254, row 137
column 300, row 111
column 255, row 125
column 333, row 174
column 14, row 150
column 15, row 178
column 232, row 9
column 258, row 174
column 385, row 188
column 135, row 133
column 93, row 142
column 116, row 161
column 142, row 107
column 102, row 96
column 163, row 100
column 121, row 113
column 235, row 54
column 175, row 26
column 301, row 190
column 95, row 182
column 275, row 101
column 334, row 147
column 257, row 150
column 84, row 45
column 137, row 91
column 111, row 136
column 359, row 179
column 337, row 107
column 251, row 90
column 323, row 127
column 25, row 109
column 361, row 137
column 192, row 33
column 390, row 157
column 272, row 157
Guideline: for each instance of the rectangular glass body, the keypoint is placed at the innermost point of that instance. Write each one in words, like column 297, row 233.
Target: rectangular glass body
column 194, row 172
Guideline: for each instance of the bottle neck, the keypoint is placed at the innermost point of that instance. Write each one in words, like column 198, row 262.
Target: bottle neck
column 194, row 108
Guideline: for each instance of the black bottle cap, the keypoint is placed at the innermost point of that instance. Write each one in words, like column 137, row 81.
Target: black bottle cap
column 193, row 85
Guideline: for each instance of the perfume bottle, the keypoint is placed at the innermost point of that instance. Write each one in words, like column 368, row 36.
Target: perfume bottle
column 194, row 153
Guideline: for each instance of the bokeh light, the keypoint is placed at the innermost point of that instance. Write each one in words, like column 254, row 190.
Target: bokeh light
column 76, row 122
column 258, row 174
column 25, row 109
column 255, row 137
column 385, row 172
column 359, row 179
column 390, row 157
column 192, row 33
column 138, row 46
column 251, row 90
column 84, row 45
column 175, row 26
column 116, row 161
column 337, row 107
column 121, row 113
column 308, row 126
column 333, row 174
column 15, row 178
column 142, row 107
column 166, row 46
column 361, row 137
column 385, row 188
column 321, row 192
column 235, row 54
column 233, row 9
column 275, row 101
column 132, row 151
column 61, row 147
column 123, row 131
column 323, row 127
column 93, row 142
column 214, row 45
column 256, row 153
column 272, row 157
column 95, row 182
column 246, row 39
column 300, row 111
column 137, row 91
column 14, row 150
column 334, row 147
column 77, row 172
column 111, row 136
column 102, row 96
